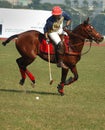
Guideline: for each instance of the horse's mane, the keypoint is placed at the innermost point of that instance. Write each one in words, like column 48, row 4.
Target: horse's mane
column 77, row 28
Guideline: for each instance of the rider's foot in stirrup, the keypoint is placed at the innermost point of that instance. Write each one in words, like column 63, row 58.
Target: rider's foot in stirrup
column 61, row 64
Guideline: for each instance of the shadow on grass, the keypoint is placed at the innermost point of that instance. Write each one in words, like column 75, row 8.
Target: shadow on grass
column 27, row 91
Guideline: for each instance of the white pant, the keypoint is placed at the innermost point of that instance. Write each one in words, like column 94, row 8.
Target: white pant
column 55, row 36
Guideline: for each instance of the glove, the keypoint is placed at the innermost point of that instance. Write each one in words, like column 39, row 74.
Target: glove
column 47, row 41
column 65, row 27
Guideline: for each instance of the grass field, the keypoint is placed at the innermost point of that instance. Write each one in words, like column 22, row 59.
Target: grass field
column 81, row 108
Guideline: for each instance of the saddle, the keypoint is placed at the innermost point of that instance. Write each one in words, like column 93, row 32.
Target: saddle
column 44, row 46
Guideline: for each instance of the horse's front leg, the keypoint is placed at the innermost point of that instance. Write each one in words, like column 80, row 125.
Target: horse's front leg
column 72, row 79
column 60, row 86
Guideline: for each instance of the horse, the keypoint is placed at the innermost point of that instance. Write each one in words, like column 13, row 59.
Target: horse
column 32, row 43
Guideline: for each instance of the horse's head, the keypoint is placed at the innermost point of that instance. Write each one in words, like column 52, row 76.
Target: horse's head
column 91, row 32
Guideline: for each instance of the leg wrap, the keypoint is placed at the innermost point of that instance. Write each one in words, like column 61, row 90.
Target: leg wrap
column 30, row 75
column 23, row 73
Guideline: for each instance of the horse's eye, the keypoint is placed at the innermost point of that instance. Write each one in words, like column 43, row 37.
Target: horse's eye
column 91, row 27
column 89, row 30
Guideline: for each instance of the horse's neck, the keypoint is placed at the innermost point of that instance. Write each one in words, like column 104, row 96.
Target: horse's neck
column 76, row 41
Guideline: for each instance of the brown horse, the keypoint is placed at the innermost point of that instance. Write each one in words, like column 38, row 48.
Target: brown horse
column 32, row 43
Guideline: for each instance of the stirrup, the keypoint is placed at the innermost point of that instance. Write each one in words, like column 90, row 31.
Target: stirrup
column 62, row 65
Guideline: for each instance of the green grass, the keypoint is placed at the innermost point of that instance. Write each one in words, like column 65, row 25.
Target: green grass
column 81, row 108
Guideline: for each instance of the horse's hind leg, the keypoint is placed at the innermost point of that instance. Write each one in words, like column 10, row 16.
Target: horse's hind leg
column 22, row 69
column 23, row 62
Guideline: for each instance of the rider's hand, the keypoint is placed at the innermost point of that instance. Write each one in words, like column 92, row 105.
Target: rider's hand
column 65, row 27
column 47, row 41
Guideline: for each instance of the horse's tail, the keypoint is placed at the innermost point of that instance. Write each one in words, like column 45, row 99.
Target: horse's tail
column 9, row 39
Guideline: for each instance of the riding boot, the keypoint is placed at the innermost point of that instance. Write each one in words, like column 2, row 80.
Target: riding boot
column 60, row 51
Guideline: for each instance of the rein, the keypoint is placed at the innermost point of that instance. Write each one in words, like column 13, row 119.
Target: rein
column 81, row 43
column 88, row 49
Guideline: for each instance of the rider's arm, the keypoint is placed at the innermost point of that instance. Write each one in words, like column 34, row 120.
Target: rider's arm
column 46, row 35
column 47, row 27
column 67, row 18
column 68, row 22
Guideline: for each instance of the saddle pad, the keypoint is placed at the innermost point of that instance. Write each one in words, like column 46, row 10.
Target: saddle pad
column 44, row 47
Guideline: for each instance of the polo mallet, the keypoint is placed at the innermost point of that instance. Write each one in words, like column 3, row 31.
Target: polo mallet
column 50, row 75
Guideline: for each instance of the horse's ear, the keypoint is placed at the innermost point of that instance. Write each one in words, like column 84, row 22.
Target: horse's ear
column 86, row 21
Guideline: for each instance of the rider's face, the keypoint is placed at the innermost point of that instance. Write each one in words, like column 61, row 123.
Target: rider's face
column 57, row 16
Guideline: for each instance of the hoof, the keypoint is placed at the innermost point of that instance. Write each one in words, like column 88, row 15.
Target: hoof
column 60, row 90
column 21, row 82
column 33, row 85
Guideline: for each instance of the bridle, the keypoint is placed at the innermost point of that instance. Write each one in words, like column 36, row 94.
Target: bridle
column 91, row 38
column 90, row 44
column 81, row 43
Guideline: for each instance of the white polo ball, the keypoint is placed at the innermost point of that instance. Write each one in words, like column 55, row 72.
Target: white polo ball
column 37, row 98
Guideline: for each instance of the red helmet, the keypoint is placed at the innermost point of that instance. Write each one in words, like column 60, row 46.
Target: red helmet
column 56, row 10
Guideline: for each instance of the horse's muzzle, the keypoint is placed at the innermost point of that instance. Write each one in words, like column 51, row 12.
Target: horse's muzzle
column 100, row 40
